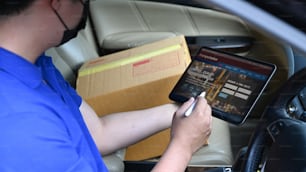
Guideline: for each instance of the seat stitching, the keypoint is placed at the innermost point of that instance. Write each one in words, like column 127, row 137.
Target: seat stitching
column 192, row 21
column 139, row 15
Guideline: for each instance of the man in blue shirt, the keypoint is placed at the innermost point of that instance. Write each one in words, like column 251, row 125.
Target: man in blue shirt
column 46, row 126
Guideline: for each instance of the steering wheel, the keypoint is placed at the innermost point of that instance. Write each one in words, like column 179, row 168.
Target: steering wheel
column 278, row 142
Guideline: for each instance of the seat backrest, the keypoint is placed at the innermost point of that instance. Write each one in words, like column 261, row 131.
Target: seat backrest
column 125, row 24
column 77, row 51
column 70, row 56
column 62, row 66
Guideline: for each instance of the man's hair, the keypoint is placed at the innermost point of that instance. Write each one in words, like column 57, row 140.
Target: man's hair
column 12, row 7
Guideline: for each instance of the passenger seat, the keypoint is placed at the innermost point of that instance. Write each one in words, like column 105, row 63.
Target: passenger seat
column 123, row 24
column 70, row 56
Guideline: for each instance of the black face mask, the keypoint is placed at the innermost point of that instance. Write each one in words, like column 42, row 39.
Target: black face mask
column 72, row 33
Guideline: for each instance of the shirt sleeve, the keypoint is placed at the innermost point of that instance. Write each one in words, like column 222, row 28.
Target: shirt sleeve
column 65, row 85
column 72, row 92
column 69, row 89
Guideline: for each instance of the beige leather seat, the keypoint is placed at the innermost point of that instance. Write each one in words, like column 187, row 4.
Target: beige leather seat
column 71, row 55
column 218, row 152
column 122, row 24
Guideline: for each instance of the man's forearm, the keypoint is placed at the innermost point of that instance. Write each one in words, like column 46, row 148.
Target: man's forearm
column 174, row 159
column 134, row 126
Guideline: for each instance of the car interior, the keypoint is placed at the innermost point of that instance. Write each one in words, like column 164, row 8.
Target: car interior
column 116, row 25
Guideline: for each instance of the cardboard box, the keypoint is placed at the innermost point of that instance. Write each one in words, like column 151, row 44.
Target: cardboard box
column 135, row 79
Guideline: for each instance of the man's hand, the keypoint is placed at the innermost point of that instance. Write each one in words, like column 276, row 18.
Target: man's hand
column 192, row 131
column 188, row 134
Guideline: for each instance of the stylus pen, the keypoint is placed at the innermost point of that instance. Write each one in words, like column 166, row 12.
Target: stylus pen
column 191, row 107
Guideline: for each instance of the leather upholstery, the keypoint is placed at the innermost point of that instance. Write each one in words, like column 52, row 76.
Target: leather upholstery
column 218, row 151
column 121, row 24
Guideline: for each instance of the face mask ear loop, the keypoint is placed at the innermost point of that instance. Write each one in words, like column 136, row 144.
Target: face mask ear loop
column 60, row 18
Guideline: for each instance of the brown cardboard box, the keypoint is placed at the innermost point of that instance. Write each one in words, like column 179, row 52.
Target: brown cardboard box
column 134, row 79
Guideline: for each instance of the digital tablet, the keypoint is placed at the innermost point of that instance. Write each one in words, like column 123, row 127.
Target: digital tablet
column 232, row 83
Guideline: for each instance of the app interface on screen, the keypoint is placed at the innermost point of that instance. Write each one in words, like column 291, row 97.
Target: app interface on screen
column 231, row 83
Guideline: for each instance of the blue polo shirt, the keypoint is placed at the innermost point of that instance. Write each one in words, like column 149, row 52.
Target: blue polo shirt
column 41, row 127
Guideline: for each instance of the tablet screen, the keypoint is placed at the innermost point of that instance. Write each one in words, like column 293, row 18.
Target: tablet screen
column 232, row 83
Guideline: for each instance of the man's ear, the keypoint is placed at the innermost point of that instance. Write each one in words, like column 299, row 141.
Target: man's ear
column 55, row 4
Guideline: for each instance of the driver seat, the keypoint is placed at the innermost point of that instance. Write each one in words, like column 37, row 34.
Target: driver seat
column 70, row 56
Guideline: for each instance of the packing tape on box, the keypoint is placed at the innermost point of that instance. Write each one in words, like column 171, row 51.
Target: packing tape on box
column 128, row 60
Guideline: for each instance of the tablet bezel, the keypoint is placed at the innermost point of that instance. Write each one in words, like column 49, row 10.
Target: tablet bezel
column 236, row 119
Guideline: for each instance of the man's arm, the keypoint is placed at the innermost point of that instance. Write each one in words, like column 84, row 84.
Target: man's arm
column 119, row 130
column 188, row 134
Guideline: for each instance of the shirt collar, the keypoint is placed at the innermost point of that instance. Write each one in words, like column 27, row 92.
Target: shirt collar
column 23, row 70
